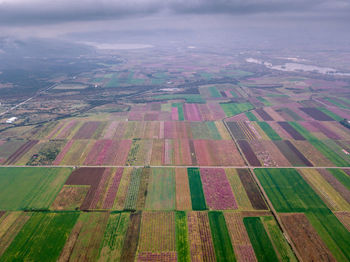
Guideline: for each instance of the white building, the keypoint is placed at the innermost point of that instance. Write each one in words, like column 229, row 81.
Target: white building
column 11, row 120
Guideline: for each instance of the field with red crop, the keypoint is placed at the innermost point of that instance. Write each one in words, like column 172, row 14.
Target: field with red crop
column 191, row 112
column 177, row 130
column 87, row 130
column 290, row 130
column 66, row 130
column 312, row 154
column 157, row 158
column 308, row 243
column 217, row 189
column 264, row 115
column 63, row 152
column 316, row 114
column 111, row 130
column 205, row 112
column 216, row 111
column 97, row 200
column 113, row 189
column 174, row 114
column 239, row 237
column 248, row 153
column 294, row 156
column 151, row 130
column 135, row 116
column 326, row 131
column 201, row 242
column 164, row 256
column 267, row 152
column 87, row 176
column 275, row 115
column 235, row 130
column 157, row 232
column 151, row 116
column 55, row 130
column 97, row 152
column 217, row 153
column 170, row 130
column 280, row 131
column 182, row 153
column 183, row 195
column 252, row 189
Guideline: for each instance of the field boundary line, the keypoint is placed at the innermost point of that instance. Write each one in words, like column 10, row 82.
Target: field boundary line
column 275, row 215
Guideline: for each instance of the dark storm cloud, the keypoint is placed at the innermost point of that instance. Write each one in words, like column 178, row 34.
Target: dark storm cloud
column 31, row 12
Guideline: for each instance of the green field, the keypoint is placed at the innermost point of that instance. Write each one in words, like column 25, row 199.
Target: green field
column 321, row 146
column 269, row 131
column 190, row 98
column 288, row 191
column 334, row 102
column 180, row 110
column 331, row 155
column 90, row 233
column 251, row 116
column 234, row 94
column 332, row 232
column 232, row 109
column 303, row 131
column 285, row 253
column 197, row 195
column 337, row 149
column 264, row 101
column 161, row 189
column 30, row 188
column 200, row 130
column 183, row 252
column 114, row 82
column 214, row 92
column 214, row 133
column 221, row 238
column 133, row 189
column 114, row 235
column 261, row 242
column 41, row 238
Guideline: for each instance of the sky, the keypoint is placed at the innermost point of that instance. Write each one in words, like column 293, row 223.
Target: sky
column 86, row 19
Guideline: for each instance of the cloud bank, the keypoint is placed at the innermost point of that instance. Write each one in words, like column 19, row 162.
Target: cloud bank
column 34, row 12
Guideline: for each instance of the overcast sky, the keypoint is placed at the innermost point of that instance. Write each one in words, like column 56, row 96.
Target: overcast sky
column 52, row 18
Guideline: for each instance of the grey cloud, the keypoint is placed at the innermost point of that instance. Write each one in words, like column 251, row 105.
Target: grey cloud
column 31, row 12
column 243, row 7
column 41, row 11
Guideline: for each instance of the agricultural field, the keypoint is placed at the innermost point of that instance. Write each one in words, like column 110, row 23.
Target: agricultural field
column 191, row 155
column 307, row 197
column 30, row 188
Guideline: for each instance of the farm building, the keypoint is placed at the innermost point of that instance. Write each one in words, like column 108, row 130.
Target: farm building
column 11, row 120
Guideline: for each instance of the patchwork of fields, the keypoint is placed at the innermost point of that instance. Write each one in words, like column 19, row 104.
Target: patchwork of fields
column 176, row 143
column 241, row 167
column 174, row 214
